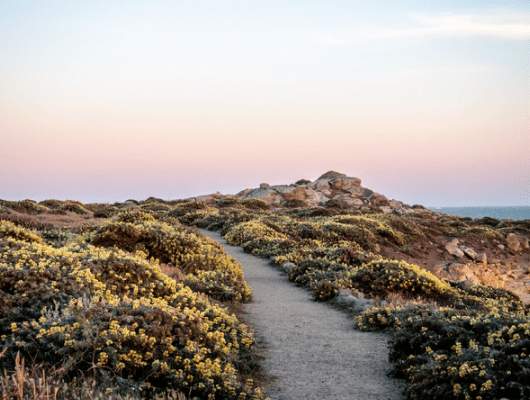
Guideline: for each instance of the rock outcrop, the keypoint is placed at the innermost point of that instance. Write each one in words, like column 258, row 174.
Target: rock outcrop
column 333, row 189
column 512, row 276
column 470, row 258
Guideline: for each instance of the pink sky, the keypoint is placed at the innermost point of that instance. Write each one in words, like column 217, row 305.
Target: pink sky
column 425, row 105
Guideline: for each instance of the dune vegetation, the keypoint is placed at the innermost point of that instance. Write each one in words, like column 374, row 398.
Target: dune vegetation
column 448, row 340
column 129, row 307
column 139, row 296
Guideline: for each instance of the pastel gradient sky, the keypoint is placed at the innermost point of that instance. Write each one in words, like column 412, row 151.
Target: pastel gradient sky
column 425, row 101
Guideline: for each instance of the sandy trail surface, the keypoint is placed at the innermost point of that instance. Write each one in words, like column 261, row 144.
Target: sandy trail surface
column 312, row 348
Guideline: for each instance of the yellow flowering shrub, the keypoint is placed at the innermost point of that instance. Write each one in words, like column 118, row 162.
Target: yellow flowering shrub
column 25, row 206
column 93, row 309
column 209, row 269
column 9, row 229
column 474, row 347
column 382, row 277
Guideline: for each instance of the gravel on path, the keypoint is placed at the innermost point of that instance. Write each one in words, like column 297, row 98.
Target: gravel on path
column 311, row 347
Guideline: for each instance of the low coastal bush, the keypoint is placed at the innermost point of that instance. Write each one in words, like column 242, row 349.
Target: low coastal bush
column 457, row 354
column 207, row 266
column 449, row 341
column 379, row 278
column 115, row 316
column 325, row 290
column 10, row 230
column 24, row 206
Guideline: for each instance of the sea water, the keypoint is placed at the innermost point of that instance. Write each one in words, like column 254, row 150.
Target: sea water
column 516, row 213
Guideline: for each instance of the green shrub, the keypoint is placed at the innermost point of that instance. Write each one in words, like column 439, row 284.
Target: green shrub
column 208, row 267
column 92, row 309
column 302, row 182
column 10, row 230
column 75, row 207
column 325, row 290
column 25, row 206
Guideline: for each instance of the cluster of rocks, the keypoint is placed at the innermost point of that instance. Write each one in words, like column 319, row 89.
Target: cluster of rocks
column 341, row 190
column 472, row 267
column 330, row 189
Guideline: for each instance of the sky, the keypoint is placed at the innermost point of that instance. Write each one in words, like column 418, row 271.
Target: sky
column 426, row 101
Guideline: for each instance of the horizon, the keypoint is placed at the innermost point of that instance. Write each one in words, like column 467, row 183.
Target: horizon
column 426, row 103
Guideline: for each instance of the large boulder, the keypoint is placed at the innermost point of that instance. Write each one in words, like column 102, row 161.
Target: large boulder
column 453, row 249
column 244, row 193
column 316, row 198
column 268, row 195
column 345, row 183
column 347, row 202
column 379, row 200
column 332, row 175
column 395, row 204
column 295, row 193
column 322, row 184
column 339, row 181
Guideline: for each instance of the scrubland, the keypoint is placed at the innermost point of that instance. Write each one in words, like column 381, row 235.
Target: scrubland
column 125, row 298
column 129, row 307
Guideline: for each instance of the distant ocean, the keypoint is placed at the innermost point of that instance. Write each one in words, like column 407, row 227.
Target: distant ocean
column 516, row 213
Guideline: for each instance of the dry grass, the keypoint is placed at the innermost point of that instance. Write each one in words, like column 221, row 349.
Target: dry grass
column 173, row 272
column 38, row 383
column 25, row 220
column 71, row 219
column 396, row 299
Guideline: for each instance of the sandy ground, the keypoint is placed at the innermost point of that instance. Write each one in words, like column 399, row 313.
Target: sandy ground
column 312, row 348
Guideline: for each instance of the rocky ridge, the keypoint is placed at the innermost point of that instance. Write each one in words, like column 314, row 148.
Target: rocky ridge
column 332, row 189
column 501, row 263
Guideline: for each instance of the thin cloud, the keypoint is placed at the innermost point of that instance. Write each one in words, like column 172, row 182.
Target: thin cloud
column 448, row 70
column 509, row 25
column 512, row 25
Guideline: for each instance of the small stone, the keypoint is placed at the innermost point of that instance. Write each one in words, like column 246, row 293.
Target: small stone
column 264, row 186
column 439, row 269
column 357, row 294
column 513, row 242
column 469, row 252
column 454, row 250
column 288, row 266
column 482, row 258
column 501, row 246
column 468, row 283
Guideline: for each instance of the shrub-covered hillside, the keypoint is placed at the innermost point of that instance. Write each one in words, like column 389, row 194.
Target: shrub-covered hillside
column 449, row 340
column 437, row 283
column 132, row 307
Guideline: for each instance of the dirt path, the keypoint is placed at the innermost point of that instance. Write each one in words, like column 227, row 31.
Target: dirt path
column 312, row 348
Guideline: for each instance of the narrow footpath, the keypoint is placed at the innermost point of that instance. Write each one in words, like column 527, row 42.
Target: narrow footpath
column 312, row 348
